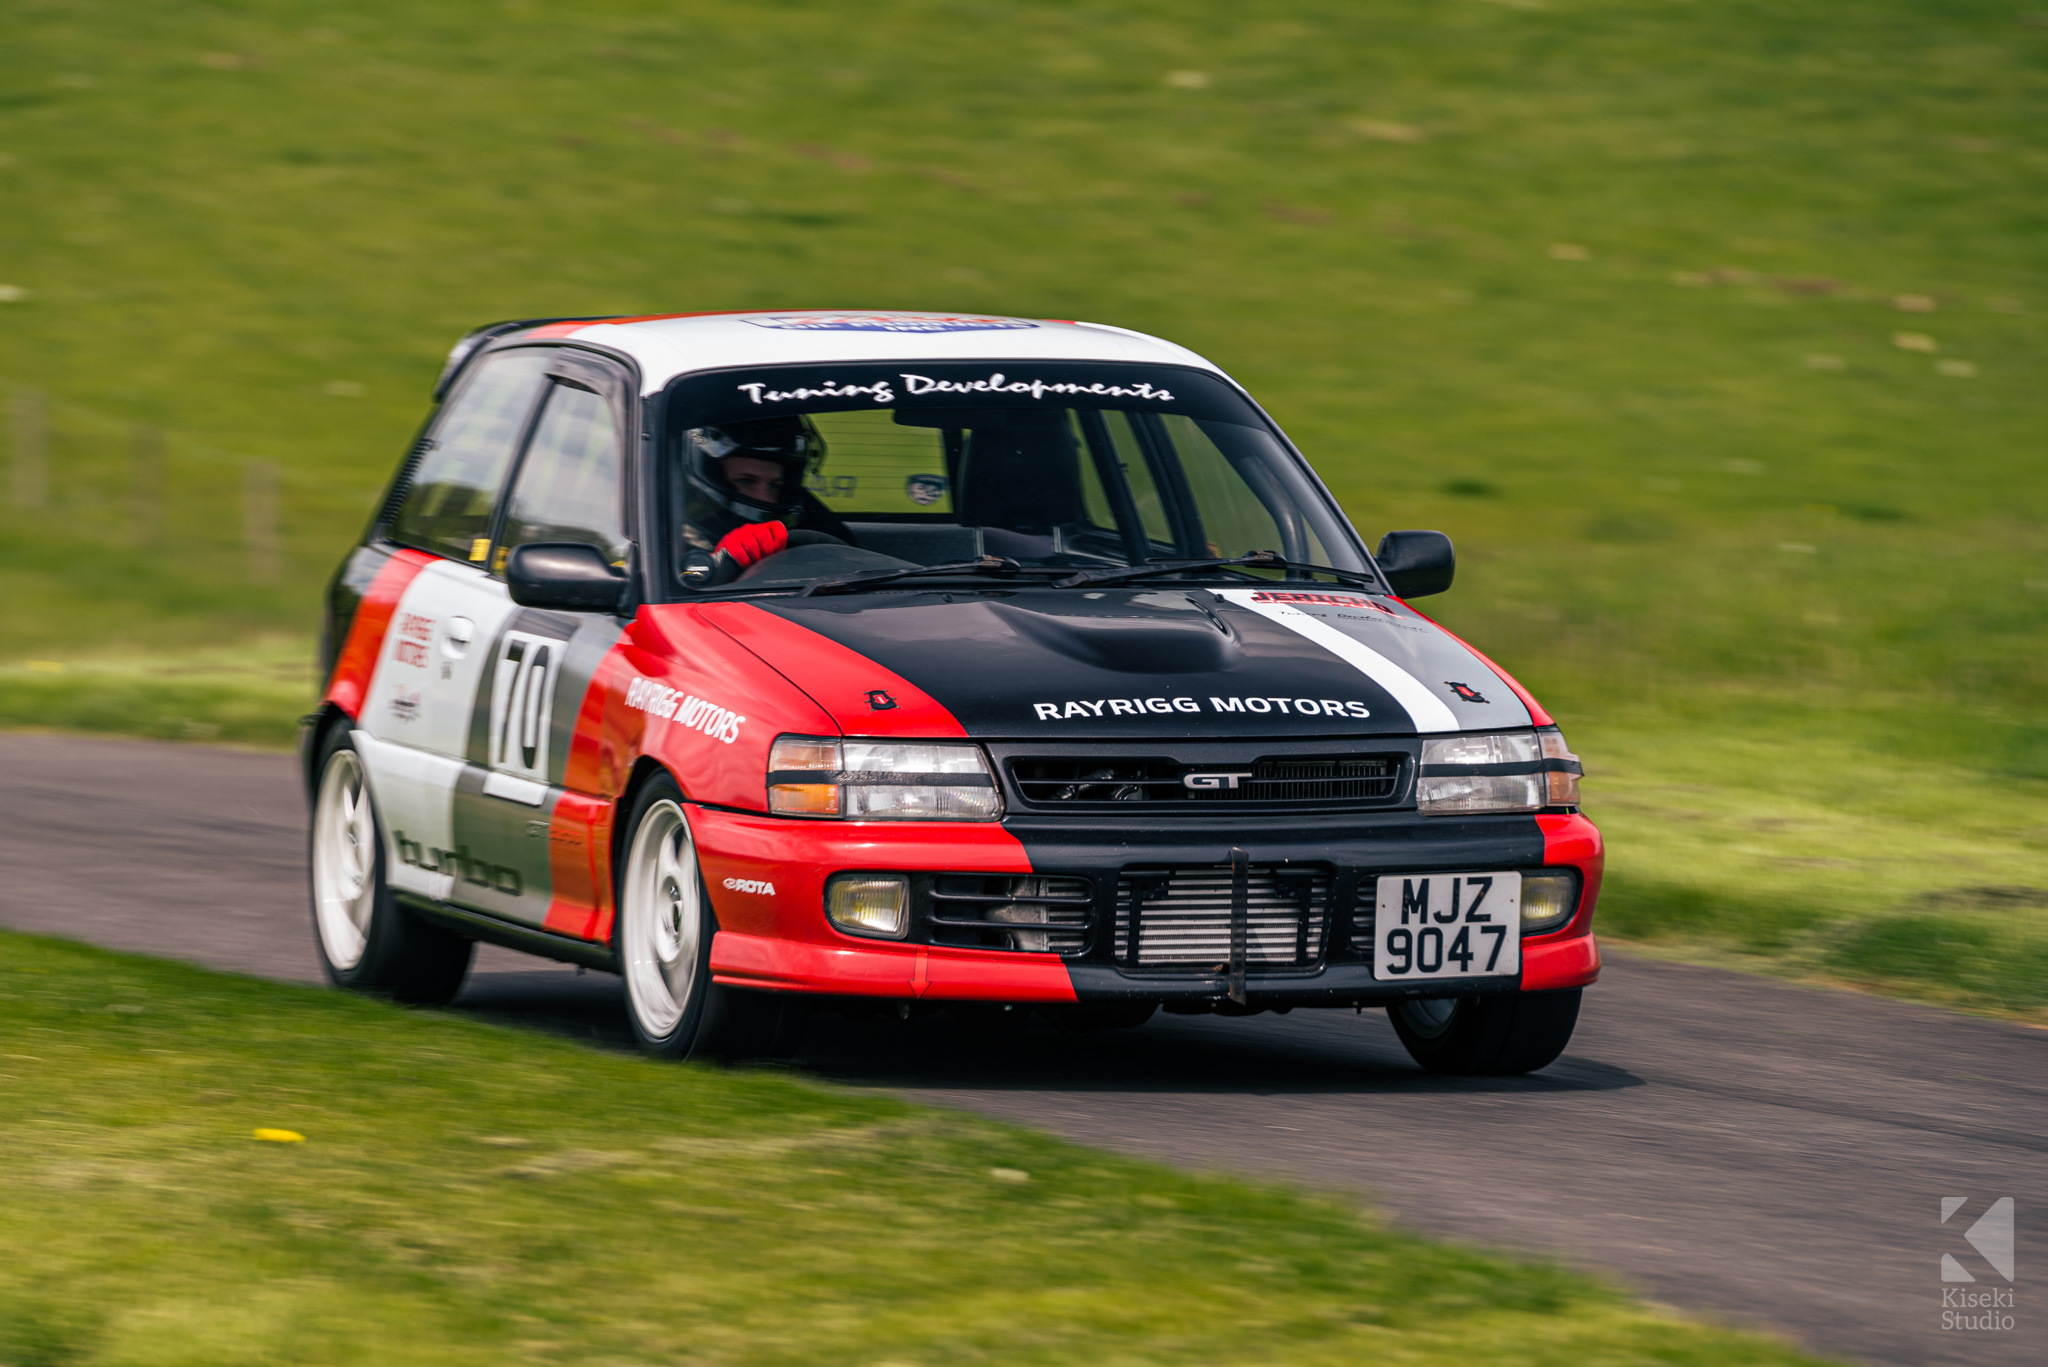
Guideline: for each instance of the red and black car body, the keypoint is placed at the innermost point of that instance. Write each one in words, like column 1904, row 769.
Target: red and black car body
column 1203, row 788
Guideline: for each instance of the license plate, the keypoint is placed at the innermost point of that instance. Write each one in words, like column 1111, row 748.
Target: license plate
column 1447, row 925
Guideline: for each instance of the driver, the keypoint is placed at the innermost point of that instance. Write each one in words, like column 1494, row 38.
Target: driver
column 745, row 491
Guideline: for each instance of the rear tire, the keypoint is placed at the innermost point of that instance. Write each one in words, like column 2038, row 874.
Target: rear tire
column 662, row 940
column 367, row 942
column 1487, row 1036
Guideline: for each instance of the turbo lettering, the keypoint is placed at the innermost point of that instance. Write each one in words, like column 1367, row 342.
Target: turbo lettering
column 456, row 863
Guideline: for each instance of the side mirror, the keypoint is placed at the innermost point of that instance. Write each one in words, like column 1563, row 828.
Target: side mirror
column 566, row 575
column 1417, row 563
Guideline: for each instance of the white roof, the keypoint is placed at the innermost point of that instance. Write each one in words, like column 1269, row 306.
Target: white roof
column 671, row 346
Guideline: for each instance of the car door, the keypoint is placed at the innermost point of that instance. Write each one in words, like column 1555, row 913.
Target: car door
column 414, row 726
column 530, row 839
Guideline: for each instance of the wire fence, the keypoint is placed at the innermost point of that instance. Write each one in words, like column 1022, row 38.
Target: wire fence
column 79, row 477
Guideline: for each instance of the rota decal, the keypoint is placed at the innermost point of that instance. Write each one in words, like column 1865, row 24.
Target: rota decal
column 758, row 886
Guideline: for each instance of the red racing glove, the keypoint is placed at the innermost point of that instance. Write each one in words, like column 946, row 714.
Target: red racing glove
column 754, row 542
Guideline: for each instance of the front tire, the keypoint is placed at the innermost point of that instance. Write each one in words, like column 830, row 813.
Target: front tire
column 1487, row 1036
column 367, row 942
column 663, row 944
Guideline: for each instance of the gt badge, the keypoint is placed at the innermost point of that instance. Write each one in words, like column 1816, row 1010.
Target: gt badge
column 880, row 701
column 1464, row 691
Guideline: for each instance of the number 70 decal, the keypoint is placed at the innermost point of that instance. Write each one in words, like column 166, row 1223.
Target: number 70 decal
column 522, row 703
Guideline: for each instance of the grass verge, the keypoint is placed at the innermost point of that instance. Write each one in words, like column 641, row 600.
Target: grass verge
column 251, row 694
column 1780, row 836
column 466, row 1193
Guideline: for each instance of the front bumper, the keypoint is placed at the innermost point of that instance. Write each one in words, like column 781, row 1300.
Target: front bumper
column 780, row 940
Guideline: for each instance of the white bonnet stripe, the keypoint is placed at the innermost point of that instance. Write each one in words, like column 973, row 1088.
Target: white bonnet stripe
column 1424, row 708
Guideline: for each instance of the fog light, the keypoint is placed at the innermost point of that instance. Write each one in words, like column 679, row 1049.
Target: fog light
column 1548, row 900
column 869, row 904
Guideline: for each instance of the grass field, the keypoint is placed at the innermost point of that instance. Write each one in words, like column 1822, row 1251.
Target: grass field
column 464, row 1193
column 1713, row 333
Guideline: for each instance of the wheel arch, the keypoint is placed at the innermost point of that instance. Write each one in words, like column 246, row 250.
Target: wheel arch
column 644, row 771
column 314, row 729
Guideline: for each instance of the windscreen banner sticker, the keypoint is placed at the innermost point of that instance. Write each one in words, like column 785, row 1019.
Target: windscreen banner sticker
column 887, row 322
column 923, row 386
column 1340, row 622
column 999, row 383
column 879, row 391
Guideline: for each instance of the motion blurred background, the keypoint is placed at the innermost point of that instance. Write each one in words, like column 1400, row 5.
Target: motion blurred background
column 1711, row 332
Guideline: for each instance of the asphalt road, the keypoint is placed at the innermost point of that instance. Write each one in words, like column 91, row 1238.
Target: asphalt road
column 1759, row 1153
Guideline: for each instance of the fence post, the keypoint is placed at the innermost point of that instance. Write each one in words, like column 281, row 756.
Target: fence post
column 260, row 531
column 145, row 484
column 31, row 449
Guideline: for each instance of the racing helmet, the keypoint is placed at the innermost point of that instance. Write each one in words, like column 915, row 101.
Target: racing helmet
column 793, row 443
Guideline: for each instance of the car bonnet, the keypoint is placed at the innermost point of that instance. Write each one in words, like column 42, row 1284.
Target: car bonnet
column 1208, row 663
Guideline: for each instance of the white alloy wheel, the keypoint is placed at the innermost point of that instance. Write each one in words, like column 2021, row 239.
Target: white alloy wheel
column 1429, row 1017
column 344, row 861
column 662, row 913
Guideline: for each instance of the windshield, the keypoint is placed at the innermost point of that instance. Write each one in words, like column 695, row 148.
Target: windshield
column 1055, row 466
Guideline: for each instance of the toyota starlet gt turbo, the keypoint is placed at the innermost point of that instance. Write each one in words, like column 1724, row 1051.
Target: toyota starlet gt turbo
column 899, row 661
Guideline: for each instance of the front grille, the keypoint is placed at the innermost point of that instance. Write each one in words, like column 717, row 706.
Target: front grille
column 1181, row 917
column 1364, row 913
column 1292, row 779
column 978, row 910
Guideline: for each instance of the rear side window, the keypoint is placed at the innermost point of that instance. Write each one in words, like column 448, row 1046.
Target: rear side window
column 568, row 485
column 447, row 509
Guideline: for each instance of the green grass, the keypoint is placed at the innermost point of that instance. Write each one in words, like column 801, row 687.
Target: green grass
column 249, row 694
column 468, row 1193
column 1610, row 290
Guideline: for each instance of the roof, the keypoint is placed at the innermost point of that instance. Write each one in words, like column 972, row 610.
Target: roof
column 667, row 346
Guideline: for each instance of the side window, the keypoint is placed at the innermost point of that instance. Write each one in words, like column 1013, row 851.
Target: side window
column 448, row 508
column 568, row 487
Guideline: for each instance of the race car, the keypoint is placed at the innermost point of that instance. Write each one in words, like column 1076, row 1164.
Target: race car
column 906, row 661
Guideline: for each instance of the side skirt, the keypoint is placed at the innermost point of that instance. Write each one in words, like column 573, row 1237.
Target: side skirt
column 526, row 939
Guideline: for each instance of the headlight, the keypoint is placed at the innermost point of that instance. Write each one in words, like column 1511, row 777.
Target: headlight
column 1548, row 900
column 1506, row 771
column 869, row 904
column 875, row 781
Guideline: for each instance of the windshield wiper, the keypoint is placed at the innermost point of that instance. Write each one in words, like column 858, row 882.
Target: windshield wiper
column 998, row 566
column 1153, row 569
